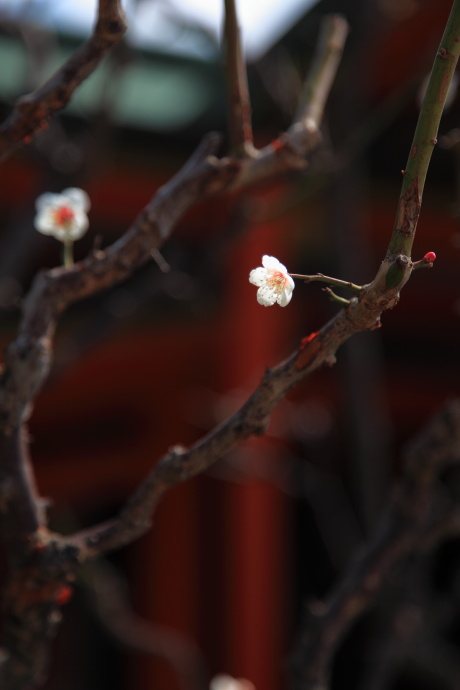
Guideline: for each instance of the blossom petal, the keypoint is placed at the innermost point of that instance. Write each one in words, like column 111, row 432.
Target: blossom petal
column 290, row 282
column 284, row 297
column 272, row 263
column 45, row 200
column 258, row 276
column 79, row 225
column 44, row 221
column 225, row 682
column 77, row 197
column 266, row 296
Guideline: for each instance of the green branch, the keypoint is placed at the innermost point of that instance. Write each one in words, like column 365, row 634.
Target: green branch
column 425, row 137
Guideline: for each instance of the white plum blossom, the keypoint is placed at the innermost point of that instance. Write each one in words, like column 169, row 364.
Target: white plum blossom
column 274, row 282
column 63, row 215
column 226, row 682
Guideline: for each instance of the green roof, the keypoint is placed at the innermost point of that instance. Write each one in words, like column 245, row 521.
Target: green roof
column 149, row 92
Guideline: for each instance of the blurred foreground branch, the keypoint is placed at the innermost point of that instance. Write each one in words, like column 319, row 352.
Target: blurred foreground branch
column 402, row 531
column 110, row 602
column 33, row 112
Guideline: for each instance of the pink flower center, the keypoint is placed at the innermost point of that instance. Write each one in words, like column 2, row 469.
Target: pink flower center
column 63, row 215
column 277, row 280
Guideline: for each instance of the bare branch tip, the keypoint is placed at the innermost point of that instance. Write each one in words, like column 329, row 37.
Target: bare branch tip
column 337, row 26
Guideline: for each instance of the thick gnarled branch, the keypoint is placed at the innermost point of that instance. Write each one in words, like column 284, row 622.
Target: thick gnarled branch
column 31, row 622
column 252, row 418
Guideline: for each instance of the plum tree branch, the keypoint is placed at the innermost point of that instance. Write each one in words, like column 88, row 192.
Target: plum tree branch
column 40, row 561
column 33, row 112
column 401, row 531
column 289, row 150
column 20, row 504
column 239, row 108
column 252, row 418
column 425, row 137
column 315, row 92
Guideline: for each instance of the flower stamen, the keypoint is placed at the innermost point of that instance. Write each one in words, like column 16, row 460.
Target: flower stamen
column 63, row 215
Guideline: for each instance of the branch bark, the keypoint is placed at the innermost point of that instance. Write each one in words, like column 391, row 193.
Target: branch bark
column 33, row 112
column 239, row 109
column 425, row 138
column 252, row 418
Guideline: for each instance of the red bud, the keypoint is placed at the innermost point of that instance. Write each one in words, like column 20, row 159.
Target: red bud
column 429, row 257
column 64, row 595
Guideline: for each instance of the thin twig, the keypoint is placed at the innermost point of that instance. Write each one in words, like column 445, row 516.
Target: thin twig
column 238, row 91
column 110, row 602
column 321, row 278
column 288, row 152
column 342, row 301
column 33, row 112
column 333, row 34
